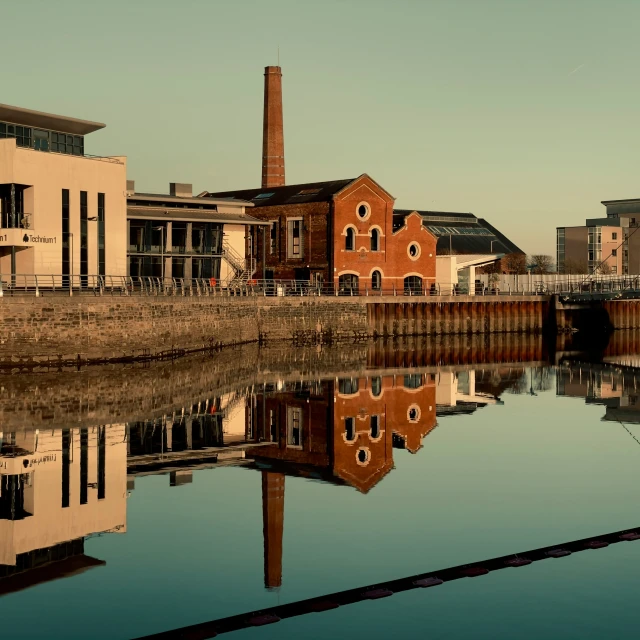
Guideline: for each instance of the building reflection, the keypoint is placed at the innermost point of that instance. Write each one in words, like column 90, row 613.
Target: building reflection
column 59, row 486
column 56, row 488
column 344, row 431
column 615, row 386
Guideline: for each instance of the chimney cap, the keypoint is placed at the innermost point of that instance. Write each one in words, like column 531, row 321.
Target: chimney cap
column 273, row 69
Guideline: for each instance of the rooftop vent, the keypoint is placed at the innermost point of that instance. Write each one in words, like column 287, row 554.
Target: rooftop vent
column 181, row 189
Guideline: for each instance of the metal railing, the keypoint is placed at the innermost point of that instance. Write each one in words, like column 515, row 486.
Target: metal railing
column 45, row 285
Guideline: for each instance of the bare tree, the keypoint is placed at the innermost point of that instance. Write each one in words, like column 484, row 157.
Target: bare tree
column 542, row 264
column 575, row 266
column 604, row 269
column 514, row 263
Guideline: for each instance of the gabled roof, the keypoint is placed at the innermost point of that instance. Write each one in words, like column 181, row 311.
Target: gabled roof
column 288, row 194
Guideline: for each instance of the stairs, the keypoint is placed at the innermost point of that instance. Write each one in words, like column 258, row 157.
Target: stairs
column 243, row 268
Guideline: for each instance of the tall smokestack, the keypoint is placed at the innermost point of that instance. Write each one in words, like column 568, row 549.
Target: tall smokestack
column 272, row 527
column 272, row 130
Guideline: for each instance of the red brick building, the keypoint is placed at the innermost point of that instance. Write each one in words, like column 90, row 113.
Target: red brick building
column 339, row 233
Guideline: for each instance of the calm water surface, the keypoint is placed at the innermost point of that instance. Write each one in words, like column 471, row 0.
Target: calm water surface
column 344, row 483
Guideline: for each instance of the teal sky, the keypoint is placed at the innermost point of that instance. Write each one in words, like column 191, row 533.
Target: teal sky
column 522, row 112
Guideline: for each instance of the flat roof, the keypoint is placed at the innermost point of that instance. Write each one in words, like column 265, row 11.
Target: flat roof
column 605, row 202
column 65, row 124
column 191, row 215
column 159, row 197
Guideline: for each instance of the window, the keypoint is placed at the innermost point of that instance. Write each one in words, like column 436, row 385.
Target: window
column 614, row 236
column 40, row 140
column 101, row 237
column 177, row 268
column 375, row 427
column 375, row 240
column 363, row 456
column 614, row 270
column 414, row 250
column 84, row 239
column 350, row 240
column 273, row 426
column 66, row 262
column 413, row 381
column 350, row 429
column 413, row 286
column 348, row 284
column 178, row 238
column 363, row 210
column 102, row 462
column 614, row 252
column 413, row 414
column 376, row 386
column 66, row 463
column 84, row 466
column 348, row 386
column 294, row 238
column 294, row 427
column 376, row 281
column 273, row 238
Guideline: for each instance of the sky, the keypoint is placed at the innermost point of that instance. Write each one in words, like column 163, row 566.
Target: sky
column 523, row 113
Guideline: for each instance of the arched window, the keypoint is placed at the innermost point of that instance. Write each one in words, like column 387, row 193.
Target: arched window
column 413, row 286
column 376, row 386
column 350, row 240
column 376, row 281
column 348, row 284
column 375, row 240
column 375, row 427
column 350, row 429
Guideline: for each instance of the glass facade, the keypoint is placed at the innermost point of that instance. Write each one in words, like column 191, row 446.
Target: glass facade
column 187, row 249
column 560, row 238
column 594, row 247
column 43, row 139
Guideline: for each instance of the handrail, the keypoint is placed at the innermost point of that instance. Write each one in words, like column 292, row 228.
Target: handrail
column 110, row 285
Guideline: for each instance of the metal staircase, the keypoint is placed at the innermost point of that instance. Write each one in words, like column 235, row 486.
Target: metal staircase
column 243, row 268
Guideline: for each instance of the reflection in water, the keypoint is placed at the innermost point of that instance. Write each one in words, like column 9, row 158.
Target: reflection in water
column 56, row 488
column 61, row 485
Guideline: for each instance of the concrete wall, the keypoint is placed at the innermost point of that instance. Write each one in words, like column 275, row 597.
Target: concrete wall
column 48, row 174
column 57, row 329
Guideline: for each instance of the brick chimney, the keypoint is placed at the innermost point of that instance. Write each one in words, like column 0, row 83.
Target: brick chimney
column 272, row 130
column 272, row 527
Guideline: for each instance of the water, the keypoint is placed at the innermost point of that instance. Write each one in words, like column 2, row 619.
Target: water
column 459, row 464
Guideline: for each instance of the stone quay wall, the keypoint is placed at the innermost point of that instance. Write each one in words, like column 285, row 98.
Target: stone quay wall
column 50, row 330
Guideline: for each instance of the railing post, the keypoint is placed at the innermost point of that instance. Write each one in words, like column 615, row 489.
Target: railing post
column 37, row 290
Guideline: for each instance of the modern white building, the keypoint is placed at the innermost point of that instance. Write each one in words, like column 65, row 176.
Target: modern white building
column 62, row 212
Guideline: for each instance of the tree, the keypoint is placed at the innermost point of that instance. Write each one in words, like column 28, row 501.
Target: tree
column 541, row 264
column 514, row 263
column 604, row 269
column 575, row 267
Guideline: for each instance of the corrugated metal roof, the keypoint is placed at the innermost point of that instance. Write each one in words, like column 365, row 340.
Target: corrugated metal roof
column 191, row 215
